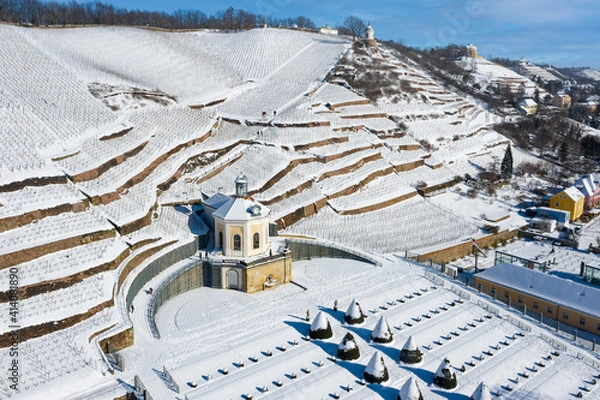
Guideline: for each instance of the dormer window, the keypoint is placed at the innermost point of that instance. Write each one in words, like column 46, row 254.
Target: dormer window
column 255, row 210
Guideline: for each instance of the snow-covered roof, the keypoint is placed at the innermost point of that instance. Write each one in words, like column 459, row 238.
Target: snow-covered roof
column 563, row 292
column 594, row 98
column 241, row 209
column 528, row 103
column 586, row 185
column 216, row 200
column 573, row 193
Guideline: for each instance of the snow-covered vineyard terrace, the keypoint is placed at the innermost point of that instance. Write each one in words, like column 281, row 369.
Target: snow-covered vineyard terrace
column 155, row 187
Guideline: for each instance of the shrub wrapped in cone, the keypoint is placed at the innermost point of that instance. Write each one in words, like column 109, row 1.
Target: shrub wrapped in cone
column 481, row 393
column 320, row 327
column 382, row 332
column 376, row 371
column 354, row 314
column 410, row 353
column 445, row 377
column 348, row 349
column 410, row 390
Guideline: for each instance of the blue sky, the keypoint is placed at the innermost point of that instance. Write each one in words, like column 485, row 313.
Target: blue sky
column 557, row 32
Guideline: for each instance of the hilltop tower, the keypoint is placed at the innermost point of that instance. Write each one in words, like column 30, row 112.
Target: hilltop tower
column 472, row 51
column 370, row 36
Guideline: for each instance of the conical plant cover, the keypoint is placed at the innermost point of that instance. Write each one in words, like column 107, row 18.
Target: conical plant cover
column 348, row 349
column 382, row 332
column 376, row 371
column 410, row 352
column 410, row 390
column 481, row 393
column 444, row 376
column 320, row 327
column 354, row 314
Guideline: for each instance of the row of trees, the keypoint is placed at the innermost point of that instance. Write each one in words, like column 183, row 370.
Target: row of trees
column 73, row 13
column 97, row 13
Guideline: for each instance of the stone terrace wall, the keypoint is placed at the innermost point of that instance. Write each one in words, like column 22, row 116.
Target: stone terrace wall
column 113, row 162
column 17, row 221
column 32, row 332
column 43, row 181
column 21, row 256
column 56, row 284
column 463, row 249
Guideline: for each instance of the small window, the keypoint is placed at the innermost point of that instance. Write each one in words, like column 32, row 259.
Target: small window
column 556, row 204
column 256, row 240
column 221, row 239
column 581, row 320
column 237, row 242
column 506, row 294
column 565, row 315
column 536, row 305
column 520, row 299
column 549, row 309
column 599, row 326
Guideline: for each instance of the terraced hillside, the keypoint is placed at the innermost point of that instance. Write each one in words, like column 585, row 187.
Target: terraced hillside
column 90, row 195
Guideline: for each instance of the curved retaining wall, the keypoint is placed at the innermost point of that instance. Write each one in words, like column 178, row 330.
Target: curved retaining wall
column 157, row 266
column 187, row 279
column 304, row 249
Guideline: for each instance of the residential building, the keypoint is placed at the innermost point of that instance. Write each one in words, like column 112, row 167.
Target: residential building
column 561, row 217
column 589, row 186
column 528, row 107
column 561, row 101
column 569, row 199
column 566, row 301
column 328, row 30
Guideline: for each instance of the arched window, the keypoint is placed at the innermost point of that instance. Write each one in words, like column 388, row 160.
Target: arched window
column 220, row 240
column 256, row 240
column 237, row 242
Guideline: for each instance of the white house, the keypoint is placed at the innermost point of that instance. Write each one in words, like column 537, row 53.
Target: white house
column 328, row 30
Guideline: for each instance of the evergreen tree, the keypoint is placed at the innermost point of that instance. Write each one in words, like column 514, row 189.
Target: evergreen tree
column 563, row 152
column 506, row 168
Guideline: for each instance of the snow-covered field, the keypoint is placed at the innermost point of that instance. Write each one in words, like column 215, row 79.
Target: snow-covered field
column 206, row 332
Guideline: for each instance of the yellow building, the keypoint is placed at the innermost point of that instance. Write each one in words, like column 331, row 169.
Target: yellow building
column 562, row 300
column 472, row 51
column 528, row 107
column 571, row 200
column 242, row 257
column 561, row 101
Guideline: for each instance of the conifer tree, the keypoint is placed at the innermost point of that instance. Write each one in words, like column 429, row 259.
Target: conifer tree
column 563, row 152
column 506, row 168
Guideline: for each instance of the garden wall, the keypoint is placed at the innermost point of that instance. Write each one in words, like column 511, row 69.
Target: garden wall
column 463, row 249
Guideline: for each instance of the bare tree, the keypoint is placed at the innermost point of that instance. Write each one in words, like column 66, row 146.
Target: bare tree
column 355, row 26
